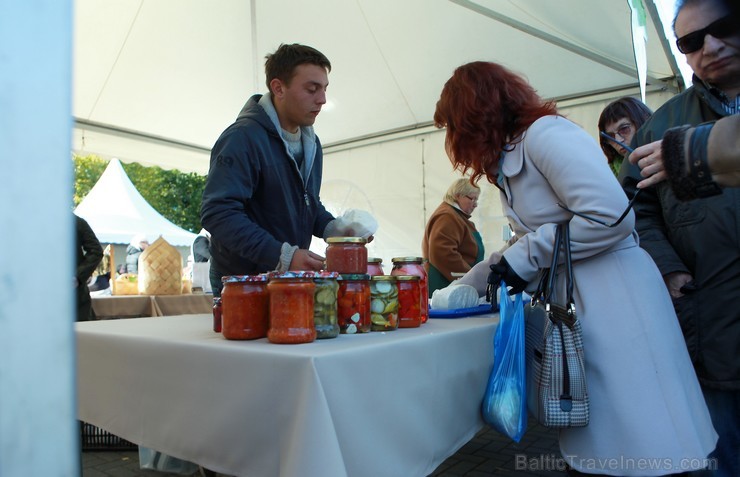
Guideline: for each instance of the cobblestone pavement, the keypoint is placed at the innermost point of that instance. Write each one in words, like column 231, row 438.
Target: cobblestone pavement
column 487, row 454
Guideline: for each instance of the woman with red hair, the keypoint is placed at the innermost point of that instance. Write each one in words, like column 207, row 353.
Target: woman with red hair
column 646, row 402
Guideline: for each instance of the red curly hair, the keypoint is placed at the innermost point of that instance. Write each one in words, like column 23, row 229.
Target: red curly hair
column 485, row 107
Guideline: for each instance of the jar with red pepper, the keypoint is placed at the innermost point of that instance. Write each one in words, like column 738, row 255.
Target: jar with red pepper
column 409, row 306
column 353, row 303
column 414, row 266
column 375, row 266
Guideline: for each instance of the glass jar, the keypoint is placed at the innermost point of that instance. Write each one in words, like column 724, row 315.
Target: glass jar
column 325, row 305
column 409, row 306
column 291, row 308
column 384, row 304
column 346, row 255
column 353, row 303
column 375, row 266
column 414, row 266
column 217, row 314
column 244, row 303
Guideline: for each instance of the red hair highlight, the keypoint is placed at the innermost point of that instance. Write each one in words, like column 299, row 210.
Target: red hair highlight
column 485, row 107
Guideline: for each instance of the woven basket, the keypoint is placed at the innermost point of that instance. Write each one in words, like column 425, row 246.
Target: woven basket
column 160, row 269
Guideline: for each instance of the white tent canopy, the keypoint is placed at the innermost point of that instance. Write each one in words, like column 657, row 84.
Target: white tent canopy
column 116, row 211
column 157, row 81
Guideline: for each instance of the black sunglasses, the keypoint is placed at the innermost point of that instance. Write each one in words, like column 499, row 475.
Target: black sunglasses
column 629, row 204
column 721, row 28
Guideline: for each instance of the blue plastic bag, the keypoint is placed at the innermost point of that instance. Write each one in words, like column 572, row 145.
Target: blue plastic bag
column 505, row 402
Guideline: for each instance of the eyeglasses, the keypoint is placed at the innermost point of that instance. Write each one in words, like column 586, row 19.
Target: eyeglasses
column 629, row 204
column 623, row 130
column 721, row 28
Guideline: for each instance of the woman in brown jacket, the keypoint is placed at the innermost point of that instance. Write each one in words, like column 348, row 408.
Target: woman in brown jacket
column 451, row 242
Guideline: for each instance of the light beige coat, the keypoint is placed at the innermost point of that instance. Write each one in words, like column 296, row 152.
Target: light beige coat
column 646, row 402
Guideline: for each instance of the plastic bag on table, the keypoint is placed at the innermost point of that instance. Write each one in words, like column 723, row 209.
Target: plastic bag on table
column 505, row 403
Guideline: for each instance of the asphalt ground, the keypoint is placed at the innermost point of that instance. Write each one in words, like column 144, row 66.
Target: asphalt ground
column 487, row 454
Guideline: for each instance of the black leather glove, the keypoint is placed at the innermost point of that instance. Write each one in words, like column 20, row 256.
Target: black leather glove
column 503, row 271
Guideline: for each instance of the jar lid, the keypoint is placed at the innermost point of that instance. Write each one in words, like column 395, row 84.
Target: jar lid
column 326, row 274
column 407, row 259
column 243, row 278
column 374, row 260
column 346, row 240
column 292, row 275
column 354, row 276
column 383, row 278
column 404, row 278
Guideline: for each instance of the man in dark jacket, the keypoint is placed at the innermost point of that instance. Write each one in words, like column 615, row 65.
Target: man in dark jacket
column 89, row 253
column 261, row 200
column 696, row 244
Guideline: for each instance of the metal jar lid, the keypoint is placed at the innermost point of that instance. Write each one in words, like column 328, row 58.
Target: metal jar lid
column 243, row 278
column 407, row 278
column 374, row 260
column 355, row 277
column 358, row 240
column 407, row 260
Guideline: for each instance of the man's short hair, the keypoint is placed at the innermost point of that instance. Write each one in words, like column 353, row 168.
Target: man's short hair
column 282, row 63
column 731, row 6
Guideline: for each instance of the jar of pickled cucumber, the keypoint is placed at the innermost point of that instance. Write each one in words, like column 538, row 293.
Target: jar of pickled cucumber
column 244, row 307
column 409, row 307
column 346, row 255
column 325, row 305
column 384, row 304
column 291, row 308
column 353, row 303
column 414, row 266
column 375, row 266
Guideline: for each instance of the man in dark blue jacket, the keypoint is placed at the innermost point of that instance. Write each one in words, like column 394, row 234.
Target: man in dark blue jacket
column 261, row 200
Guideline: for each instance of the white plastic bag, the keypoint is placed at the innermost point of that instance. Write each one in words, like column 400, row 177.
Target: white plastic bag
column 453, row 297
column 360, row 222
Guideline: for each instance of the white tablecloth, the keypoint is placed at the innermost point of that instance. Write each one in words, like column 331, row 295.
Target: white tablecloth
column 380, row 404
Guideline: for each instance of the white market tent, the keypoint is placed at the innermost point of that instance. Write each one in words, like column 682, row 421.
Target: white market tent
column 157, row 81
column 116, row 211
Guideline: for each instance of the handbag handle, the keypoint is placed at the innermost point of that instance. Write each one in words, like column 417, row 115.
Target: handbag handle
column 546, row 286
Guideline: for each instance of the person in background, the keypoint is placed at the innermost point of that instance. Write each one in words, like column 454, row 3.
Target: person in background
column 645, row 400
column 89, row 253
column 261, row 199
column 696, row 244
column 451, row 242
column 138, row 244
column 101, row 277
column 674, row 158
column 202, row 247
column 620, row 119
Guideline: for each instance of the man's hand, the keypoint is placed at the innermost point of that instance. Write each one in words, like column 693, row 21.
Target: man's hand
column 649, row 159
column 306, row 260
column 674, row 281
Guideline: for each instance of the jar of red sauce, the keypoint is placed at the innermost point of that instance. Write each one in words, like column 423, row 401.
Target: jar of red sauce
column 217, row 314
column 346, row 255
column 353, row 303
column 375, row 266
column 325, row 305
column 414, row 266
column 384, row 304
column 244, row 303
column 409, row 306
column 291, row 308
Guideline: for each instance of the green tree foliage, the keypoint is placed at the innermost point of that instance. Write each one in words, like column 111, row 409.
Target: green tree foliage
column 174, row 194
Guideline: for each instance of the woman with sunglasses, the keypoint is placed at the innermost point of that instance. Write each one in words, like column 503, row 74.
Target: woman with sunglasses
column 451, row 242
column 620, row 120
column 645, row 400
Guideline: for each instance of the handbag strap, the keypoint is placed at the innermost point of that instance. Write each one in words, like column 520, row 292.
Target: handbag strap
column 568, row 270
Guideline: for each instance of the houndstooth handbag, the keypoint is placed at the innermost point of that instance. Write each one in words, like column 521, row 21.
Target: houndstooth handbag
column 556, row 380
